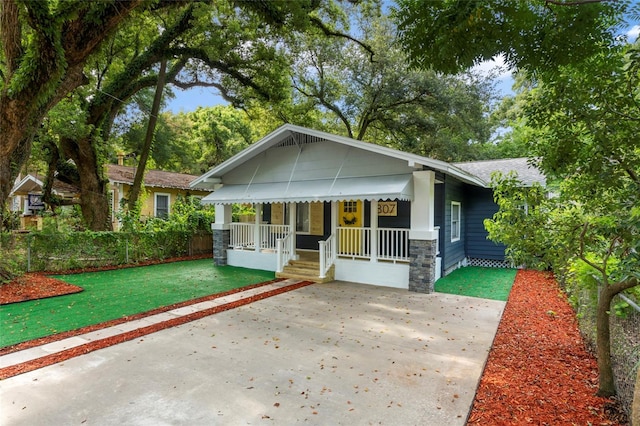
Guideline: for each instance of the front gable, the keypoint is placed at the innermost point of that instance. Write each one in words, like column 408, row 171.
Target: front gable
column 319, row 160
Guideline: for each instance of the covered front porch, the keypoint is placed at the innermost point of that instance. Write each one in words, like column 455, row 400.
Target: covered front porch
column 357, row 240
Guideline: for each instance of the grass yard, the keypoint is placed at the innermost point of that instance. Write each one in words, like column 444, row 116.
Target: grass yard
column 488, row 283
column 110, row 295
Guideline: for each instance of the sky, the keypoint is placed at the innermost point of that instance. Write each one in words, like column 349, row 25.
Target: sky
column 190, row 100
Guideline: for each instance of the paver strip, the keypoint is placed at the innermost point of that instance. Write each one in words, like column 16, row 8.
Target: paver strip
column 60, row 350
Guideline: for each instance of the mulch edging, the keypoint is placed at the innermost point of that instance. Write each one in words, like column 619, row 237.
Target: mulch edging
column 110, row 341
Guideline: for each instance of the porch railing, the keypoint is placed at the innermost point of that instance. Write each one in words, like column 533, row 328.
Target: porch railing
column 392, row 243
column 243, row 235
column 327, row 255
column 285, row 250
column 269, row 235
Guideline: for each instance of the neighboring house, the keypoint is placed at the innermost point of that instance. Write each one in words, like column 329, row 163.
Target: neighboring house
column 161, row 191
column 26, row 197
column 367, row 213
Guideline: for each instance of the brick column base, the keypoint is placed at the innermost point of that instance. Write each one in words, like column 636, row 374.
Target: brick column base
column 422, row 265
column 221, row 240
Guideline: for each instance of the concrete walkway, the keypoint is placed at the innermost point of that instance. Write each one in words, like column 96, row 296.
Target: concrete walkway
column 336, row 353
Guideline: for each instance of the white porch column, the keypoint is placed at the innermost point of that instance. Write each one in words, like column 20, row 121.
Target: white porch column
column 293, row 211
column 334, row 226
column 223, row 217
column 257, row 238
column 374, row 231
column 423, row 238
column 423, row 206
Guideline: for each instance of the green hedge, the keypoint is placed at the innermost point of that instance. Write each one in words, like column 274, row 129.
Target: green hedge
column 63, row 251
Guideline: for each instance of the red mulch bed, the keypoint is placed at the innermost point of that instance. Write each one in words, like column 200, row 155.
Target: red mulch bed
column 34, row 286
column 539, row 371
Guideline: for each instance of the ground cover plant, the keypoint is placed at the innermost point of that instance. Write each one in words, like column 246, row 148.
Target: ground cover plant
column 114, row 294
column 474, row 281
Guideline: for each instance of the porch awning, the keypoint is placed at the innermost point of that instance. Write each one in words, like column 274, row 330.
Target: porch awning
column 358, row 188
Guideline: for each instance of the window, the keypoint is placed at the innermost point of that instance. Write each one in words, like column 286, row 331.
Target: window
column 455, row 221
column 302, row 217
column 351, row 207
column 162, row 205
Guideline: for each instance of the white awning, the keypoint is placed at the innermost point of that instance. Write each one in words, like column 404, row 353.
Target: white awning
column 392, row 187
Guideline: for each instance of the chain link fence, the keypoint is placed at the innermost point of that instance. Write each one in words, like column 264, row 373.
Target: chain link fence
column 51, row 252
column 624, row 321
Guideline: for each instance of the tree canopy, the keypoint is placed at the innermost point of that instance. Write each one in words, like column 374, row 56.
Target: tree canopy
column 51, row 49
column 453, row 35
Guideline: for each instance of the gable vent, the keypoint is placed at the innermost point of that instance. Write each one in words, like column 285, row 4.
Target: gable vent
column 299, row 139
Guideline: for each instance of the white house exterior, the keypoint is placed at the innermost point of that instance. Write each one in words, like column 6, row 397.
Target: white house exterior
column 371, row 212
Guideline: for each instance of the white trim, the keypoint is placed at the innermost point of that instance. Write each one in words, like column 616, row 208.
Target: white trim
column 457, row 222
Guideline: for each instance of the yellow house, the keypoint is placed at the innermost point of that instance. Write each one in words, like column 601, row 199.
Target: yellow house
column 161, row 189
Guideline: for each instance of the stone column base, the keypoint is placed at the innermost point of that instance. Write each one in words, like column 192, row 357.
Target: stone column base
column 422, row 265
column 221, row 240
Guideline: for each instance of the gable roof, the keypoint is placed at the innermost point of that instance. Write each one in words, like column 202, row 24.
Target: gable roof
column 291, row 135
column 152, row 178
column 526, row 172
column 34, row 184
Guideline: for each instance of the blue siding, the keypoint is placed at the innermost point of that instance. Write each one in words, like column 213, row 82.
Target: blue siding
column 480, row 206
column 454, row 252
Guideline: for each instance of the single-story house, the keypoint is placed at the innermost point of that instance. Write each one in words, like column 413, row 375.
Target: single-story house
column 362, row 212
column 161, row 191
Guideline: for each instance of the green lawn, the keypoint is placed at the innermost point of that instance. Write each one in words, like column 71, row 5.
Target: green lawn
column 488, row 283
column 114, row 294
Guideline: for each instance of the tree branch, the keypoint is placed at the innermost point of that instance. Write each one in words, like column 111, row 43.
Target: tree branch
column 329, row 32
column 582, row 255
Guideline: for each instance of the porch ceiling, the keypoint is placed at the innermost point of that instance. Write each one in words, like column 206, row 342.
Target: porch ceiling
column 361, row 188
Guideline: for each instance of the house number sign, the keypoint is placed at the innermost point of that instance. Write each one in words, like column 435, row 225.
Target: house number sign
column 387, row 208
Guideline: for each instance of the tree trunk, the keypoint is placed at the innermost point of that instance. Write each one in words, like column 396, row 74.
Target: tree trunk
column 55, row 74
column 606, row 384
column 134, row 194
column 10, row 165
column 93, row 185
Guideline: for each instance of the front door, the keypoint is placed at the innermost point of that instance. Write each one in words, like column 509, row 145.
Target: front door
column 351, row 219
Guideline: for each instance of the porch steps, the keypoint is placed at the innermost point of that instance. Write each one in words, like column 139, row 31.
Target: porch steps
column 307, row 270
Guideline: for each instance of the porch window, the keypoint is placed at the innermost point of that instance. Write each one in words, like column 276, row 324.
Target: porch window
column 161, row 205
column 455, row 221
column 302, row 218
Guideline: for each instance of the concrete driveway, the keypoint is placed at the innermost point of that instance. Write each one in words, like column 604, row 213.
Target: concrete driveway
column 327, row 354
